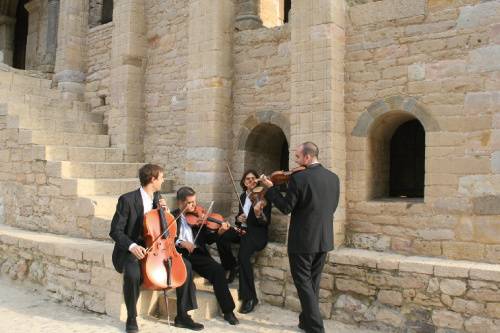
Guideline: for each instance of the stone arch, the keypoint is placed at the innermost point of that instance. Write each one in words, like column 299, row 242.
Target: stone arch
column 401, row 104
column 262, row 117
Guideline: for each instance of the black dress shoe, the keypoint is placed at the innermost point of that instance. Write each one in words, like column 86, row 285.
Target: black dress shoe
column 131, row 325
column 231, row 318
column 248, row 306
column 187, row 322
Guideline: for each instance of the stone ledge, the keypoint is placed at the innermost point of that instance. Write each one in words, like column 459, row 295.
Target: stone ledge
column 61, row 246
column 415, row 264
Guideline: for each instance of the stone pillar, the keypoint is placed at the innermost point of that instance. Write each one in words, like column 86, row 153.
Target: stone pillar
column 7, row 25
column 209, row 108
column 71, row 46
column 52, row 23
column 248, row 15
column 32, row 41
column 128, row 52
column 317, row 70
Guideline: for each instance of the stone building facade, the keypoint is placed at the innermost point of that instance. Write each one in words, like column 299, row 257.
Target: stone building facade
column 402, row 97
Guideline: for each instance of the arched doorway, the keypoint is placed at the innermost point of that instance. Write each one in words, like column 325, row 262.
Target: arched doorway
column 266, row 149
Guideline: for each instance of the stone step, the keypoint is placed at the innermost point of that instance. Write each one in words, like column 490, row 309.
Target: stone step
column 33, row 111
column 83, row 154
column 103, row 206
column 69, row 139
column 98, row 186
column 208, row 307
column 23, row 83
column 108, row 187
column 62, row 125
column 70, row 169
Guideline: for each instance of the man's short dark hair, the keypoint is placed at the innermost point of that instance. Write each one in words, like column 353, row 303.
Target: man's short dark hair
column 149, row 171
column 310, row 148
column 184, row 192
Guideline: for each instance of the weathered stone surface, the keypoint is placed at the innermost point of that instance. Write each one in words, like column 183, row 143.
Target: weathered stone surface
column 385, row 10
column 449, row 319
column 390, row 297
column 453, row 287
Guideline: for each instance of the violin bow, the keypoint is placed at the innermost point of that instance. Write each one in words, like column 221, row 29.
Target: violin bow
column 209, row 210
column 234, row 186
column 166, row 230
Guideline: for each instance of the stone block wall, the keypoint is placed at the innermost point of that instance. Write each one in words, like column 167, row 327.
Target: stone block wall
column 165, row 90
column 392, row 293
column 76, row 272
column 436, row 61
column 98, row 68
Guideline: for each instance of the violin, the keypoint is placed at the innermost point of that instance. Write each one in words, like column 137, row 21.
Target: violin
column 278, row 178
column 212, row 221
column 163, row 267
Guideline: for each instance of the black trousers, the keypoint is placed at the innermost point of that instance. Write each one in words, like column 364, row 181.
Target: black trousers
column 132, row 280
column 203, row 264
column 306, row 271
column 248, row 247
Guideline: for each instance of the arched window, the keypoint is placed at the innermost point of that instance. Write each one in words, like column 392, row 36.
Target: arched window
column 407, row 161
column 100, row 12
column 397, row 157
column 107, row 11
column 287, row 5
column 274, row 12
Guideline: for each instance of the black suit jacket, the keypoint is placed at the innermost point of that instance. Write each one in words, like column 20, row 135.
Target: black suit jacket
column 257, row 228
column 312, row 198
column 126, row 226
column 205, row 237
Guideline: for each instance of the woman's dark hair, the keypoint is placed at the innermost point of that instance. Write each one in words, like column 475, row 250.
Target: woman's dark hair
column 245, row 174
column 184, row 192
column 147, row 172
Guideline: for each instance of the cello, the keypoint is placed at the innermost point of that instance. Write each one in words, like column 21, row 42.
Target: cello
column 163, row 267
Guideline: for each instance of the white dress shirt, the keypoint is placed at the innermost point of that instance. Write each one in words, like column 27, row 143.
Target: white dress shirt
column 186, row 233
column 247, row 205
column 147, row 203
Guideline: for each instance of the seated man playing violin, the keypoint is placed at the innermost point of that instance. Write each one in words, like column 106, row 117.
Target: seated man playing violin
column 255, row 214
column 191, row 241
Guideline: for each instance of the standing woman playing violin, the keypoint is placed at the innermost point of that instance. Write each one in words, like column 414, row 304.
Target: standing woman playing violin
column 256, row 216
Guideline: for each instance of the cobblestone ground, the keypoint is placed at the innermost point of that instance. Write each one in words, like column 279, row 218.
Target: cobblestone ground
column 27, row 310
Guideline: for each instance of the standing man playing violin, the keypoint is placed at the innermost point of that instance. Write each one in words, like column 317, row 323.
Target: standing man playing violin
column 256, row 216
column 312, row 198
column 127, row 232
column 191, row 243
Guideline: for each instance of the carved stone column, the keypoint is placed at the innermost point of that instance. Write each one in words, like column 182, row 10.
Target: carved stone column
column 52, row 24
column 71, row 46
column 247, row 16
column 7, row 25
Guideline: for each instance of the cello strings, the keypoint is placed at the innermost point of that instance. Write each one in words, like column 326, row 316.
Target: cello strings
column 166, row 230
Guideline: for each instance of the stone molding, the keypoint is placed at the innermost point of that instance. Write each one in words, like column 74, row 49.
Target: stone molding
column 262, row 117
column 394, row 104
